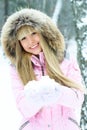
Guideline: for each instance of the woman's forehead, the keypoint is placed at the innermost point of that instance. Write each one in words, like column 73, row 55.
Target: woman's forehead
column 23, row 31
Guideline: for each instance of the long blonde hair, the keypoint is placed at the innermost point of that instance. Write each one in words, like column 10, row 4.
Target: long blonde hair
column 25, row 67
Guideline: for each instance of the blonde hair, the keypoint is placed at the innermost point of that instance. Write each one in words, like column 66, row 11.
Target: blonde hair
column 25, row 66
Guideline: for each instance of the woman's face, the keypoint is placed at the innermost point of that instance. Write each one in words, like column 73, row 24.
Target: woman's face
column 31, row 43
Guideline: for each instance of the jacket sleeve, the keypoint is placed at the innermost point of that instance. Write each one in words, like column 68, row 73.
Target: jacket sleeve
column 35, row 95
column 72, row 97
column 27, row 109
column 73, row 71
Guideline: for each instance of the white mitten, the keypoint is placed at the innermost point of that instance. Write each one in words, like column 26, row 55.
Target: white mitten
column 45, row 91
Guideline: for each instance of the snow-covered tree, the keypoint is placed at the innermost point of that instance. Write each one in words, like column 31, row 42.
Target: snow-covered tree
column 80, row 19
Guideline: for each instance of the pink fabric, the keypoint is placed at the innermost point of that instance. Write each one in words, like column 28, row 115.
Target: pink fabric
column 57, row 117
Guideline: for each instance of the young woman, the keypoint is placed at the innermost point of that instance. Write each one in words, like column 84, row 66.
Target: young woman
column 47, row 86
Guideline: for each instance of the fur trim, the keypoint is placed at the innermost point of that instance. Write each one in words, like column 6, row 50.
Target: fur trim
column 39, row 21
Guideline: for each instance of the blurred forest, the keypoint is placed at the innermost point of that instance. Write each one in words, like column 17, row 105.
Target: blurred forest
column 64, row 15
column 71, row 18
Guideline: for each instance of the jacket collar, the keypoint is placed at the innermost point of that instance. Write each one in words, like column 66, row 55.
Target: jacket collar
column 38, row 60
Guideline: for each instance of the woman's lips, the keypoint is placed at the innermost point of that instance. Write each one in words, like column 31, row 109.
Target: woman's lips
column 36, row 45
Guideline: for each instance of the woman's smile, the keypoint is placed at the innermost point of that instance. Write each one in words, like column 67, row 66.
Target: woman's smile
column 35, row 46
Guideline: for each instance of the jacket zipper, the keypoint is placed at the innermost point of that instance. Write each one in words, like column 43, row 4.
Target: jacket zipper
column 23, row 125
column 42, row 69
column 74, row 121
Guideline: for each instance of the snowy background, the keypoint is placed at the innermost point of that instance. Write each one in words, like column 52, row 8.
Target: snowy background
column 62, row 14
column 9, row 115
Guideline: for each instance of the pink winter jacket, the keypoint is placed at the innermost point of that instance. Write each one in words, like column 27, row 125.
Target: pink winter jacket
column 59, row 116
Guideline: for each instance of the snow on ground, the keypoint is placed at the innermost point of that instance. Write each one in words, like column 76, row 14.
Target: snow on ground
column 9, row 115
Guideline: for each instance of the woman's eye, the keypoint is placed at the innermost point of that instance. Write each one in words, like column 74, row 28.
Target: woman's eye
column 23, row 38
column 33, row 33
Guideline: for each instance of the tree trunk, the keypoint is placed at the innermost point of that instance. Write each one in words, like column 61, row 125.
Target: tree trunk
column 80, row 15
column 5, row 9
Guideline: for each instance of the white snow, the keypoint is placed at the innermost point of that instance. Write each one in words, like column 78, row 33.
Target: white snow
column 57, row 11
column 9, row 115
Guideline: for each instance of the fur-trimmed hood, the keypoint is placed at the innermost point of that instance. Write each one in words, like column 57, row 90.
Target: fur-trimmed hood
column 39, row 21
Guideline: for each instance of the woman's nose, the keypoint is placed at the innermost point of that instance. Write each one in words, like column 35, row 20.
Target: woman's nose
column 30, row 40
